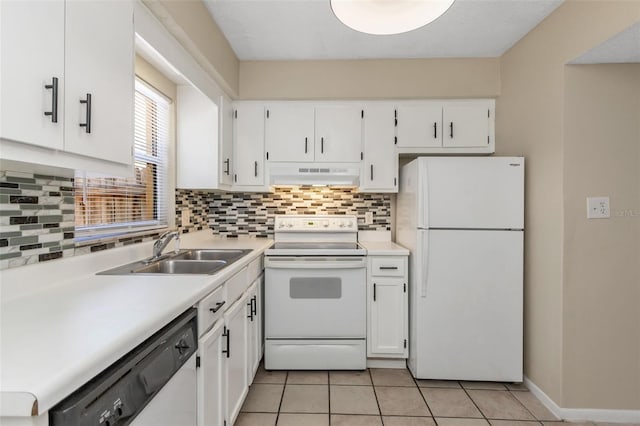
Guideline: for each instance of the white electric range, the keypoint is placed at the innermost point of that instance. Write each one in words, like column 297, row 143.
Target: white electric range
column 315, row 295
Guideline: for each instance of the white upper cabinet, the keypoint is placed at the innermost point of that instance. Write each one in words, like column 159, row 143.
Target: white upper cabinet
column 289, row 134
column 380, row 165
column 338, row 134
column 67, row 82
column 466, row 124
column 446, row 127
column 420, row 125
column 249, row 146
column 99, row 74
column 32, row 72
column 199, row 152
column 226, row 142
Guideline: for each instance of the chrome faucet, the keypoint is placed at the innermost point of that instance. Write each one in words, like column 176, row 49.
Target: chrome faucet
column 162, row 242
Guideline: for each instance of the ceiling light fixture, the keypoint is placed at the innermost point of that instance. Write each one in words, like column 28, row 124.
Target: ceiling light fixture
column 384, row 17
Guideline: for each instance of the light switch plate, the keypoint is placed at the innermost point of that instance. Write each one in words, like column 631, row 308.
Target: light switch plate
column 186, row 217
column 598, row 208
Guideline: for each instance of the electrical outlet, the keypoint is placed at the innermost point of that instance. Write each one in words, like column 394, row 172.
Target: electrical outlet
column 598, row 208
column 186, row 217
column 368, row 218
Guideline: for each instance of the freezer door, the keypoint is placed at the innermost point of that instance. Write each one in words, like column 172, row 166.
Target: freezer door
column 466, row 319
column 471, row 192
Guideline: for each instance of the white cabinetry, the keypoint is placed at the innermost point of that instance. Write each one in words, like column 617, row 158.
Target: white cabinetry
column 387, row 325
column 304, row 132
column 338, row 134
column 32, row 46
column 439, row 127
column 88, row 48
column 289, row 132
column 226, row 142
column 199, row 151
column 249, row 147
column 236, row 353
column 211, row 376
column 380, row 165
column 254, row 331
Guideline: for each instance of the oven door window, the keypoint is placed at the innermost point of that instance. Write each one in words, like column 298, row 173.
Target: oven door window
column 315, row 288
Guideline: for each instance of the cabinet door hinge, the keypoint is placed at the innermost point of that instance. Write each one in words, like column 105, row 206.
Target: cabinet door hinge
column 267, row 113
column 405, row 343
column 362, row 155
column 361, row 113
column 197, row 361
column 395, row 140
column 404, row 287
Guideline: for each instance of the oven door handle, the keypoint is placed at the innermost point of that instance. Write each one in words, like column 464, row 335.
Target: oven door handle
column 314, row 263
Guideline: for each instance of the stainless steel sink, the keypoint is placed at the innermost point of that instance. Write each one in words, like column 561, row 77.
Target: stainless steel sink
column 208, row 254
column 182, row 267
column 188, row 261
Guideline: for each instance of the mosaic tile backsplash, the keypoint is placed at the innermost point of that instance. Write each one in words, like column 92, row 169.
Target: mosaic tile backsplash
column 234, row 214
column 36, row 218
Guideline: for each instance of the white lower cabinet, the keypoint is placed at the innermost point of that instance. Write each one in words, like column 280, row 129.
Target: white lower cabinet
column 254, row 328
column 236, row 353
column 211, row 376
column 387, row 325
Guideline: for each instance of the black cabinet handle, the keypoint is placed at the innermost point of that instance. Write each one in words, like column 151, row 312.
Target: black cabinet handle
column 217, row 307
column 54, row 100
column 306, row 141
column 451, row 129
column 372, row 172
column 255, row 168
column 374, row 292
column 321, row 145
column 254, row 305
column 250, row 305
column 435, row 130
column 227, row 162
column 87, row 123
column 389, row 267
column 227, row 333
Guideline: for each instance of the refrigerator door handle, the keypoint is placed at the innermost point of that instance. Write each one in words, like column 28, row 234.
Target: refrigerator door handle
column 423, row 249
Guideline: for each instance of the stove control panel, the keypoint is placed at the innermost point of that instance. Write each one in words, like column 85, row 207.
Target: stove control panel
column 337, row 223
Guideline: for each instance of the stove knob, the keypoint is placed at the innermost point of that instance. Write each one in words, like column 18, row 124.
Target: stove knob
column 341, row 224
column 289, row 225
column 349, row 224
column 281, row 225
column 325, row 224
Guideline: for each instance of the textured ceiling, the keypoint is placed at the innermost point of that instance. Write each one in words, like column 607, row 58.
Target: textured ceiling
column 307, row 29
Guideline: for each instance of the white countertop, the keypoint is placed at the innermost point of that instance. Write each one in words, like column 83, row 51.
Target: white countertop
column 383, row 248
column 61, row 325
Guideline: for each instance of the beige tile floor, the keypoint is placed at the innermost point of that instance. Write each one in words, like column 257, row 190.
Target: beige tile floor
column 389, row 397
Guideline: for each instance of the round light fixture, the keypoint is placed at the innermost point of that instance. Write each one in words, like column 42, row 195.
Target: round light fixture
column 383, row 17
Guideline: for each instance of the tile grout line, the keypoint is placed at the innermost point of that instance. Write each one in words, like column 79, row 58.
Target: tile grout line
column 415, row 381
column 284, row 387
column 329, row 395
column 373, row 385
column 466, row 391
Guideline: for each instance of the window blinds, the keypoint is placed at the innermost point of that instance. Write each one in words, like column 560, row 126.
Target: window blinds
column 107, row 203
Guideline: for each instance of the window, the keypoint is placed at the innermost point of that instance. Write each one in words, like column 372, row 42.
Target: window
column 114, row 205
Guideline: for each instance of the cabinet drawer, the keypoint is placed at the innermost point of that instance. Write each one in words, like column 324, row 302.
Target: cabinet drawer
column 236, row 285
column 254, row 269
column 388, row 267
column 211, row 308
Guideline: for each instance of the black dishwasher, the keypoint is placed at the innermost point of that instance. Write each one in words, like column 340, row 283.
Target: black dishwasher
column 118, row 394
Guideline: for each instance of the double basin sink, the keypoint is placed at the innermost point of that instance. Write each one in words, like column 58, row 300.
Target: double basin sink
column 187, row 261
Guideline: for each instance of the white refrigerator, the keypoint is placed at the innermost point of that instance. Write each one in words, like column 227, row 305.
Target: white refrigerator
column 462, row 218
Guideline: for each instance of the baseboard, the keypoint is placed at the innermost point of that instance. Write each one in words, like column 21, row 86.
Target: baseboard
column 584, row 414
column 386, row 363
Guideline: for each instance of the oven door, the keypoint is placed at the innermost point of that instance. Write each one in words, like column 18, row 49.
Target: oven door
column 315, row 297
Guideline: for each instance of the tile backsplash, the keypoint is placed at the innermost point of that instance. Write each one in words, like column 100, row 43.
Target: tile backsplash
column 234, row 214
column 36, row 218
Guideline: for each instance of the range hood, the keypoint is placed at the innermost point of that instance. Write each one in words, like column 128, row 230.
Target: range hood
column 334, row 174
